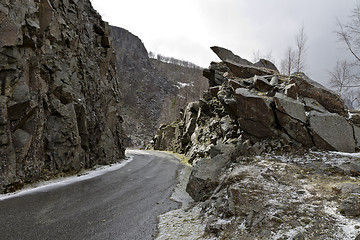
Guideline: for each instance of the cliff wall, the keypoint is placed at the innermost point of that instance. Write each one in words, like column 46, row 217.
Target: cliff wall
column 59, row 99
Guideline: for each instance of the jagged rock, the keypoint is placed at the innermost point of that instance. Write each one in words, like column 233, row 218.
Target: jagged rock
column 261, row 84
column 166, row 137
column 263, row 63
column 247, row 71
column 49, row 67
column 204, row 177
column 291, row 116
column 255, row 113
column 313, row 105
column 225, row 54
column 311, row 89
column 291, row 90
column 331, row 131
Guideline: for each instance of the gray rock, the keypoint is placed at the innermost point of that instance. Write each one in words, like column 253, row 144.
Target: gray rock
column 291, row 90
column 262, row 84
column 263, row 63
column 311, row 89
column 313, row 105
column 350, row 206
column 225, row 54
column 247, row 71
column 255, row 114
column 331, row 131
column 204, row 177
column 21, row 93
column 289, row 106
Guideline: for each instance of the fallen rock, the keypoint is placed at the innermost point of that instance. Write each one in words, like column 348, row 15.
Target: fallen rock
column 331, row 131
column 225, row 54
column 311, row 89
column 247, row 71
column 261, row 84
column 255, row 113
column 204, row 177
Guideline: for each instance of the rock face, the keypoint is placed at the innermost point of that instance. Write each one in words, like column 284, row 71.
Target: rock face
column 255, row 109
column 59, row 96
column 153, row 91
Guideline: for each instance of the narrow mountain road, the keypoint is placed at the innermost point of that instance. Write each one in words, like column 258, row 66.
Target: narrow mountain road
column 121, row 204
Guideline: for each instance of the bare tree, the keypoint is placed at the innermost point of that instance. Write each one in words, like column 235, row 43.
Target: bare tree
column 151, row 54
column 348, row 85
column 342, row 78
column 350, row 33
column 288, row 63
column 301, row 48
column 258, row 55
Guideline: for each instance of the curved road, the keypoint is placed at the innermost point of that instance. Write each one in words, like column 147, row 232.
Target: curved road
column 121, row 204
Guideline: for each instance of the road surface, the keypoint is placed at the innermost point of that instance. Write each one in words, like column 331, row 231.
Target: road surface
column 121, row 204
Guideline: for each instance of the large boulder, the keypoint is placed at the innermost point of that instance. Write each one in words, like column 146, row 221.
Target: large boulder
column 331, row 131
column 225, row 54
column 204, row 177
column 255, row 113
column 311, row 89
column 247, row 71
column 291, row 116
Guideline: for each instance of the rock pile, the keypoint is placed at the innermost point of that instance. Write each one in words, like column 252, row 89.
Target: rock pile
column 251, row 107
column 256, row 142
column 59, row 96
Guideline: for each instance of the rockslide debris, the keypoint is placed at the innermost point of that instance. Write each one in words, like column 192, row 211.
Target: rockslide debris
column 247, row 104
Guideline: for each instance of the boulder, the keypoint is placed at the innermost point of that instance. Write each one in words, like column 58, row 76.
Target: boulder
column 225, row 54
column 313, row 105
column 261, row 84
column 255, row 113
column 311, row 89
column 291, row 107
column 247, row 71
column 263, row 63
column 204, row 176
column 331, row 131
column 291, row 90
column 291, row 116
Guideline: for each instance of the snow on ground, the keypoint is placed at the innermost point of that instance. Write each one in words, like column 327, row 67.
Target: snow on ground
column 59, row 182
column 183, row 223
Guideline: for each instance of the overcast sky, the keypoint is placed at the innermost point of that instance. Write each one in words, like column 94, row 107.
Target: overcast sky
column 187, row 29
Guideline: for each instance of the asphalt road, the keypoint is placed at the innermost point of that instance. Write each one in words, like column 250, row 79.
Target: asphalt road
column 121, row 204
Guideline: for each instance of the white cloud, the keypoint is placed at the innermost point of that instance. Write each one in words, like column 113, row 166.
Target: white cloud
column 186, row 29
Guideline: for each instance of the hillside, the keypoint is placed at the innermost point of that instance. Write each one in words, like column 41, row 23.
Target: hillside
column 152, row 92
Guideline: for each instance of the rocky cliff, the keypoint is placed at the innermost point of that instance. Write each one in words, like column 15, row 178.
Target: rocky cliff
column 152, row 91
column 256, row 140
column 59, row 102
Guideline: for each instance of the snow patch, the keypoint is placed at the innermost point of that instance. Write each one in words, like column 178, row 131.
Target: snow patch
column 56, row 183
